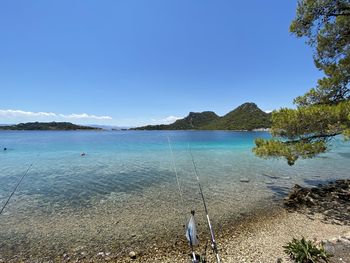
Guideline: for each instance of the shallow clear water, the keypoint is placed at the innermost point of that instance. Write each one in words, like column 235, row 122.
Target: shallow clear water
column 123, row 193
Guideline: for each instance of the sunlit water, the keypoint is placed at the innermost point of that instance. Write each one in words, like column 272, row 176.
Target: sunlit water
column 123, row 192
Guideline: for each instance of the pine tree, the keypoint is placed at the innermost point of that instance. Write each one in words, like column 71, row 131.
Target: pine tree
column 324, row 111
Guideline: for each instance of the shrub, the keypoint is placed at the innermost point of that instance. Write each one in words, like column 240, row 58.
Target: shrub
column 306, row 251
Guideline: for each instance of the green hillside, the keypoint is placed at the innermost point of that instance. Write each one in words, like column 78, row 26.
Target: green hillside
column 248, row 116
column 194, row 121
column 47, row 126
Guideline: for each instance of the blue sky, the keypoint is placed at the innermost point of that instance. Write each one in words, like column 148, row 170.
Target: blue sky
column 137, row 62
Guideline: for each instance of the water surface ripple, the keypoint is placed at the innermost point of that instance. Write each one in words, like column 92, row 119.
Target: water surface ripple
column 123, row 193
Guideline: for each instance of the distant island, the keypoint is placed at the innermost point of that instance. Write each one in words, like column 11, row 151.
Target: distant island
column 54, row 126
column 247, row 117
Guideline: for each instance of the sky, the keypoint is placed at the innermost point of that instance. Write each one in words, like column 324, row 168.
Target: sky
column 136, row 62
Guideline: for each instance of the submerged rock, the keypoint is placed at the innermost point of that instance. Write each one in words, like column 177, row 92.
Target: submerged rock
column 270, row 176
column 286, row 177
column 244, row 180
column 331, row 200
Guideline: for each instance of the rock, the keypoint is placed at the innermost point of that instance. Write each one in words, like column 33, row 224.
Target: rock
column 298, row 196
column 329, row 247
column 279, row 260
column 244, row 180
column 132, row 254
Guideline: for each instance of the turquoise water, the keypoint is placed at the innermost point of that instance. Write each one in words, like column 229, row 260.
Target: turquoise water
column 123, row 192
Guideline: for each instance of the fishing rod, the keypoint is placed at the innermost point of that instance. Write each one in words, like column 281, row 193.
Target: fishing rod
column 14, row 190
column 213, row 242
column 191, row 230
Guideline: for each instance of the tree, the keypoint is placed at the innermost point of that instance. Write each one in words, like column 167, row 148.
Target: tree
column 324, row 111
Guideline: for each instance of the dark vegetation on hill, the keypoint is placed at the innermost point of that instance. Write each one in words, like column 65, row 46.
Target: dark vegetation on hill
column 59, row 126
column 246, row 117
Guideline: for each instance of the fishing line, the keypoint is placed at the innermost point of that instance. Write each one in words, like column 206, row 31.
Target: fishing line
column 194, row 259
column 175, row 171
column 213, row 242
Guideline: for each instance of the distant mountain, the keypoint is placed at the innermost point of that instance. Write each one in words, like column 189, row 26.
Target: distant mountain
column 248, row 116
column 193, row 121
column 57, row 126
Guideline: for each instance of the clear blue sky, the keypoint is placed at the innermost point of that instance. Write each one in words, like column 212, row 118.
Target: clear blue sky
column 137, row 62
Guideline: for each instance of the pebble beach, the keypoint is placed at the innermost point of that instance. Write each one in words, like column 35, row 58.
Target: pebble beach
column 257, row 239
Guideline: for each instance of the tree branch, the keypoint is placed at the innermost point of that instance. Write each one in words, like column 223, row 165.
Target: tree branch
column 318, row 136
column 339, row 14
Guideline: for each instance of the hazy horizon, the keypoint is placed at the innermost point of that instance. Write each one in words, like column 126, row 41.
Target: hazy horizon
column 75, row 120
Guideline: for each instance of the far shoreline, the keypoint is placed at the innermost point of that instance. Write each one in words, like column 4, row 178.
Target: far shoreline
column 131, row 130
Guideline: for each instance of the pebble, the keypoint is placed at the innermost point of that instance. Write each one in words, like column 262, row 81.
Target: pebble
column 78, row 249
column 101, row 254
column 132, row 255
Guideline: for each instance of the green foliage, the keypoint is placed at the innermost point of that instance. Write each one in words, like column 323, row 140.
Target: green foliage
column 324, row 111
column 291, row 152
column 47, row 126
column 246, row 117
column 305, row 130
column 347, row 134
column 326, row 24
column 305, row 251
column 312, row 121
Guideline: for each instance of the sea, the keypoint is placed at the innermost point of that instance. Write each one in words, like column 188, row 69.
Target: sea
column 122, row 193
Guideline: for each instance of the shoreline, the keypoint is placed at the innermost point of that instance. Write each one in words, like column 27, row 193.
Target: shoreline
column 255, row 237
